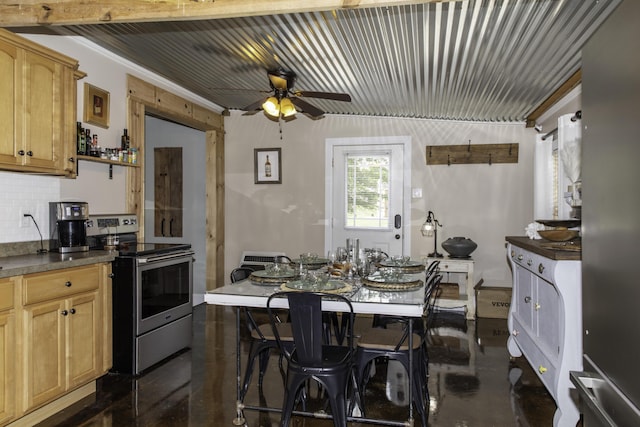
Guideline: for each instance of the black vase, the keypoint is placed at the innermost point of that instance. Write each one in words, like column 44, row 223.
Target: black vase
column 459, row 247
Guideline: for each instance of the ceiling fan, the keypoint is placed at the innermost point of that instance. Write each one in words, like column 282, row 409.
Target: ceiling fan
column 284, row 102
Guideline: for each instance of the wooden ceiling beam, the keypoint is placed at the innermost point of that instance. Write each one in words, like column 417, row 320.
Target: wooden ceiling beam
column 556, row 96
column 74, row 12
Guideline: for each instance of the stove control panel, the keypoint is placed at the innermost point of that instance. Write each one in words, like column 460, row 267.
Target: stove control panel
column 98, row 225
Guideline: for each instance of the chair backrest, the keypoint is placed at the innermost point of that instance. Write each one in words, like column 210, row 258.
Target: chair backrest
column 307, row 327
column 283, row 259
column 431, row 293
column 240, row 273
column 433, row 268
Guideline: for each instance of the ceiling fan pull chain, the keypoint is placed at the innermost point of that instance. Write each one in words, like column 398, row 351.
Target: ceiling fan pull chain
column 280, row 126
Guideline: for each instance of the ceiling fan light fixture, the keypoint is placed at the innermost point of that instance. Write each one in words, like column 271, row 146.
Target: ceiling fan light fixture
column 286, row 107
column 271, row 106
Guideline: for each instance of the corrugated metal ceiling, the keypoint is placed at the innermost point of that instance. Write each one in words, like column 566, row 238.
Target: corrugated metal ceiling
column 467, row 60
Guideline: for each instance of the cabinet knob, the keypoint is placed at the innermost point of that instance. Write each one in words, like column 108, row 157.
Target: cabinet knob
column 72, row 311
column 515, row 332
column 30, row 153
column 542, row 369
column 21, row 152
column 540, row 268
column 529, row 262
column 67, row 284
column 111, row 276
column 520, row 257
column 72, row 160
column 537, row 306
column 513, row 253
column 64, row 312
column 527, row 299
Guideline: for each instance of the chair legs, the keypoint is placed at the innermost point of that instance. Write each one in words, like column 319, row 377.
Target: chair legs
column 419, row 387
column 334, row 387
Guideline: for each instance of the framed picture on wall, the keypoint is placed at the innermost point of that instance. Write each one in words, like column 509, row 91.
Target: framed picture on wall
column 267, row 166
column 96, row 106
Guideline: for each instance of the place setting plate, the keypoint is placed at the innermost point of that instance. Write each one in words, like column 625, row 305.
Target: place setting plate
column 332, row 286
column 264, row 277
column 311, row 265
column 408, row 267
column 400, row 283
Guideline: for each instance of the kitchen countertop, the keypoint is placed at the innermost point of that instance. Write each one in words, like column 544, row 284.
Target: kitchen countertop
column 33, row 263
column 534, row 245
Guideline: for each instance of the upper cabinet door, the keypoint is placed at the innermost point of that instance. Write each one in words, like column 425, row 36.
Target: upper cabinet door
column 43, row 112
column 10, row 98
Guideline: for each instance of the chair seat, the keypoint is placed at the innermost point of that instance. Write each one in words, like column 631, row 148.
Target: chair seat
column 387, row 340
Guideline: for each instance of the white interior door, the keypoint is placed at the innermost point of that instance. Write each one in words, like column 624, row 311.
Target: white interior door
column 365, row 193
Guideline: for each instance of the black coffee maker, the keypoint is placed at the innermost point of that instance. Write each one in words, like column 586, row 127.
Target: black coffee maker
column 68, row 225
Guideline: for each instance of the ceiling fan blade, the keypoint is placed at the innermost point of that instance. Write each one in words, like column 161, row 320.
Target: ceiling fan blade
column 307, row 108
column 324, row 95
column 256, row 106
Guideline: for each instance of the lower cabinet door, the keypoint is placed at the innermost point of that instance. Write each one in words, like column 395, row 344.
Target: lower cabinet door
column 44, row 358
column 84, row 358
column 7, row 367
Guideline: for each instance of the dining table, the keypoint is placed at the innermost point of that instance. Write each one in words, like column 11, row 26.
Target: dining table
column 367, row 296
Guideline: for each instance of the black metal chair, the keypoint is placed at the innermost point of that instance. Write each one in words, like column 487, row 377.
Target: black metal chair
column 393, row 343
column 311, row 357
column 262, row 339
column 283, row 259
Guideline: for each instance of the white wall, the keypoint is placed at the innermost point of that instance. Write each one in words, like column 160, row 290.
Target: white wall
column 161, row 133
column 93, row 185
column 482, row 202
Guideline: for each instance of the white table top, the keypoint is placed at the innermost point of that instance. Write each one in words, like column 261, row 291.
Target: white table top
column 364, row 300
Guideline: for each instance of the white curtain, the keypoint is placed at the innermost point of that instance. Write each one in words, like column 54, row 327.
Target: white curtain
column 570, row 146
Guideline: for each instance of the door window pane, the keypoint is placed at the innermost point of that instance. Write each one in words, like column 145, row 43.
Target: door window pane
column 367, row 195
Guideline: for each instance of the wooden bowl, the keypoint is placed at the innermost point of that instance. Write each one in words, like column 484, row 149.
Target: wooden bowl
column 558, row 235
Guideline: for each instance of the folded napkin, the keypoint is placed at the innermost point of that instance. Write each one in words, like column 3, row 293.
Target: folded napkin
column 532, row 230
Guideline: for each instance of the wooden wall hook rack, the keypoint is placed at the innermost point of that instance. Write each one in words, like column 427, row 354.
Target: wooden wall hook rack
column 472, row 153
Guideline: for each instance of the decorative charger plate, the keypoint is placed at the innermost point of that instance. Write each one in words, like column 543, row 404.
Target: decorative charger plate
column 409, row 267
column 383, row 284
column 263, row 277
column 312, row 265
column 332, row 286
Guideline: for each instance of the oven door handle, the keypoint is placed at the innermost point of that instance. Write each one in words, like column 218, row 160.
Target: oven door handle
column 158, row 258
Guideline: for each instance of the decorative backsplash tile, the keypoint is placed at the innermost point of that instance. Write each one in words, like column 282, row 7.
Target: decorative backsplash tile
column 24, row 193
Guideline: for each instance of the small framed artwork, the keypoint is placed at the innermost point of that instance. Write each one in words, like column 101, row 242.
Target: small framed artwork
column 96, row 106
column 267, row 165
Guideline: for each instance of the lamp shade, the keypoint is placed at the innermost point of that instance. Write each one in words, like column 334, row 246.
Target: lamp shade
column 271, row 106
column 286, row 107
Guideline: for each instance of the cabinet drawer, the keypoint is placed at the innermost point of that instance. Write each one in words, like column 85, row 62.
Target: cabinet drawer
column 60, row 284
column 454, row 266
column 6, row 294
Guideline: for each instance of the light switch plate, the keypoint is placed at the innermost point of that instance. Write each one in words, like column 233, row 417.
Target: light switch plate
column 416, row 193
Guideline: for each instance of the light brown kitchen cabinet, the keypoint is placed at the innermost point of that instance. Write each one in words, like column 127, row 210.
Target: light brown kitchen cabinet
column 168, row 191
column 37, row 107
column 62, row 332
column 7, row 351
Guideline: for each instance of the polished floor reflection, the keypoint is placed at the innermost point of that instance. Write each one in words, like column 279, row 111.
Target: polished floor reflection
column 472, row 382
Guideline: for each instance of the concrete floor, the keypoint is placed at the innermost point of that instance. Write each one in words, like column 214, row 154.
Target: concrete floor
column 472, row 382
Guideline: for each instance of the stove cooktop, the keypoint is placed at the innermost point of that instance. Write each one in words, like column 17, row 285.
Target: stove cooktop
column 137, row 249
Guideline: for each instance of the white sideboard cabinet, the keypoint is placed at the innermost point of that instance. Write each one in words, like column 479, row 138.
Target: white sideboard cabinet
column 545, row 318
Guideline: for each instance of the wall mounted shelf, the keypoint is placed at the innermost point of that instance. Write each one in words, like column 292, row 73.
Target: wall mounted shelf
column 111, row 163
column 472, row 153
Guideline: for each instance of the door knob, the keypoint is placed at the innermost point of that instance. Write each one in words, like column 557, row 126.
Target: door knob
column 397, row 236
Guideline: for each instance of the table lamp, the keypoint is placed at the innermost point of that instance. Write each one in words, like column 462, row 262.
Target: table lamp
column 430, row 228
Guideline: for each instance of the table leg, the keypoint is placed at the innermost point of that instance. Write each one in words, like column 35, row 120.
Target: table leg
column 410, row 421
column 239, row 420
